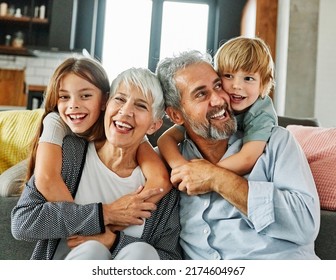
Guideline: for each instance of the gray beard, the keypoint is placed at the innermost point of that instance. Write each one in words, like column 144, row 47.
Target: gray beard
column 211, row 132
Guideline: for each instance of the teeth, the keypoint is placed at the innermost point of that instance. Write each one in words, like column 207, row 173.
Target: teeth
column 123, row 124
column 237, row 96
column 77, row 116
column 219, row 114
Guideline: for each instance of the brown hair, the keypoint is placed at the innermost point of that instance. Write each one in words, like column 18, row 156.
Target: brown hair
column 89, row 70
column 251, row 55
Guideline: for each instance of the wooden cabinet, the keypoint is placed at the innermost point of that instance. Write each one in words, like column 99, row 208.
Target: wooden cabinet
column 12, row 87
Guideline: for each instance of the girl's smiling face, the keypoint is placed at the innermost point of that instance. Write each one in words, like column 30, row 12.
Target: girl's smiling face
column 79, row 103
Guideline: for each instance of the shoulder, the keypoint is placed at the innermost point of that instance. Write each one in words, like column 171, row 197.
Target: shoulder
column 263, row 102
column 74, row 142
column 52, row 117
column 54, row 129
column 263, row 106
column 282, row 139
column 280, row 133
column 262, row 112
column 54, row 121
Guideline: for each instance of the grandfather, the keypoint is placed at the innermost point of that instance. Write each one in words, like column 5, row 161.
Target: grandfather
column 271, row 213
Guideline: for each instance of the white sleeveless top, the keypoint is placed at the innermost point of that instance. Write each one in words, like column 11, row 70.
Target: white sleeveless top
column 100, row 184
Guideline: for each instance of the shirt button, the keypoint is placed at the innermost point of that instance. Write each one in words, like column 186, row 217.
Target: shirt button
column 205, row 231
column 205, row 203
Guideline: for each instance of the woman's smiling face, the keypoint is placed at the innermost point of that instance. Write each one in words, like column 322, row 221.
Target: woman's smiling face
column 128, row 116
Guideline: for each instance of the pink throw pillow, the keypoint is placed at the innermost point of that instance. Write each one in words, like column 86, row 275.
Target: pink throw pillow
column 319, row 145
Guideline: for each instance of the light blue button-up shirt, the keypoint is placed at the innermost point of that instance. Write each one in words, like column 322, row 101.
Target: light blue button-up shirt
column 283, row 208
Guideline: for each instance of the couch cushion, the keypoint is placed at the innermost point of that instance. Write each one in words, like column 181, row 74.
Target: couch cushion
column 10, row 248
column 17, row 129
column 325, row 242
column 12, row 180
column 319, row 145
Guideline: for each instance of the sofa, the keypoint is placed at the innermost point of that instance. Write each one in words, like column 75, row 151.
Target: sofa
column 17, row 128
column 325, row 244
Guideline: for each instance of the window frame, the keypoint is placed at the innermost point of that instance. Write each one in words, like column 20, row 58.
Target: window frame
column 156, row 26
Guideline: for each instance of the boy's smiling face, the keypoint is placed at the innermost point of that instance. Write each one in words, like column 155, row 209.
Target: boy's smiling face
column 243, row 89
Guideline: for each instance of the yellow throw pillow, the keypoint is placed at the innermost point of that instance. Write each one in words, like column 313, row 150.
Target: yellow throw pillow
column 17, row 129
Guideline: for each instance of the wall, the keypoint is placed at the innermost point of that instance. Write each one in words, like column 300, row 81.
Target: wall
column 325, row 99
column 38, row 69
column 311, row 61
column 228, row 18
column 301, row 63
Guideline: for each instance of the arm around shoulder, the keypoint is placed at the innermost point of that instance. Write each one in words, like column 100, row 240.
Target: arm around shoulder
column 34, row 218
column 168, row 146
column 154, row 170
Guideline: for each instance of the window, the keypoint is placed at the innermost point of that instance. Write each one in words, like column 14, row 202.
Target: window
column 181, row 32
column 138, row 33
column 126, row 35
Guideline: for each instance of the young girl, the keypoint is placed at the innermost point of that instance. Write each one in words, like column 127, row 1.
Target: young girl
column 246, row 68
column 75, row 103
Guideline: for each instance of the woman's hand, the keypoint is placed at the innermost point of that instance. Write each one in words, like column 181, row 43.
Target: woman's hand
column 130, row 209
column 106, row 239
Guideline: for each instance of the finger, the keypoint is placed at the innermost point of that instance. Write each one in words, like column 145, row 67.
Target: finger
column 115, row 228
column 139, row 190
column 140, row 206
column 175, row 179
column 183, row 187
column 73, row 243
column 138, row 220
column 148, row 206
column 141, row 215
column 146, row 194
column 176, row 170
column 70, row 243
column 145, row 215
column 197, row 160
column 73, row 237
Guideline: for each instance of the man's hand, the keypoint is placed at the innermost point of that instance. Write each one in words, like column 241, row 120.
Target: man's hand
column 200, row 176
column 106, row 239
column 130, row 209
column 195, row 177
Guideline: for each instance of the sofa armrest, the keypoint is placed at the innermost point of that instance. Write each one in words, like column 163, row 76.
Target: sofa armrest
column 284, row 121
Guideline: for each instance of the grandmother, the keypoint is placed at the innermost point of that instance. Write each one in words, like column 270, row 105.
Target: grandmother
column 113, row 220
